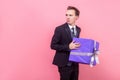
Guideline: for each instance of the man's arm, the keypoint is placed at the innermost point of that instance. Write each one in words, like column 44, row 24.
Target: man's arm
column 55, row 43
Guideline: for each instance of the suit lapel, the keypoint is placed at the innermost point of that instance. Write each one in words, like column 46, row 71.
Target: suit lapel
column 78, row 31
column 68, row 31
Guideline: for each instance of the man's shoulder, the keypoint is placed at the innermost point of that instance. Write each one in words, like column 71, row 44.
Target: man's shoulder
column 78, row 27
column 62, row 26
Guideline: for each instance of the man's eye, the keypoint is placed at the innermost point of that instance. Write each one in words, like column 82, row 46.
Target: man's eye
column 68, row 15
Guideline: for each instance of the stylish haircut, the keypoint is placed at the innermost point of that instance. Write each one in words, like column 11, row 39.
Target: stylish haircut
column 77, row 12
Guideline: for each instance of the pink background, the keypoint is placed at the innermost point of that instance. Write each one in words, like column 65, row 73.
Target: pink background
column 26, row 28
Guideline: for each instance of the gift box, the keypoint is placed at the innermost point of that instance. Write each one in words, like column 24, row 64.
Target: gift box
column 87, row 53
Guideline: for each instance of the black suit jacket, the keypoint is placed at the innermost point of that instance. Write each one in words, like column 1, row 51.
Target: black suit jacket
column 60, row 42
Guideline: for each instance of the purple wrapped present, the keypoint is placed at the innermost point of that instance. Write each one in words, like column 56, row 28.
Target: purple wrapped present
column 86, row 53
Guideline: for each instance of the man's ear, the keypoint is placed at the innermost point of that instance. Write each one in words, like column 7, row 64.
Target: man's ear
column 77, row 17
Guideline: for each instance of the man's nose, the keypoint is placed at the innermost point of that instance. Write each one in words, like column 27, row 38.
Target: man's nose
column 67, row 17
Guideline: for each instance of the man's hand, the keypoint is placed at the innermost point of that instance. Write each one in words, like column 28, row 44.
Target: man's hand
column 74, row 45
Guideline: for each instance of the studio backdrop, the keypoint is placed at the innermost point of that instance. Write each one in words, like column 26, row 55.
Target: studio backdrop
column 26, row 29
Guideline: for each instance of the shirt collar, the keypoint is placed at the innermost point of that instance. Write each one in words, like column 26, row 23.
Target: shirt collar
column 71, row 26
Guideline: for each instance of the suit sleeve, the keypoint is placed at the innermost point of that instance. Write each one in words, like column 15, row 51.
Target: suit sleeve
column 55, row 43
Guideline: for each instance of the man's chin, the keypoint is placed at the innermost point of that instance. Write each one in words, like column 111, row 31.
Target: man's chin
column 69, row 23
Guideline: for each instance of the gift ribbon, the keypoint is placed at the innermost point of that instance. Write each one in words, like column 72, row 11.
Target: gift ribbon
column 94, row 57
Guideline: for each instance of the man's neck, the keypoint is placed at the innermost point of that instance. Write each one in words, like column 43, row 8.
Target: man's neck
column 72, row 25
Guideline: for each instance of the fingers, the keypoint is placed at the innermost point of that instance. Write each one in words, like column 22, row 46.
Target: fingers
column 74, row 45
column 77, row 45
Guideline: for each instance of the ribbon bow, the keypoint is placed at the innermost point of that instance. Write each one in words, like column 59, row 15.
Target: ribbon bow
column 95, row 56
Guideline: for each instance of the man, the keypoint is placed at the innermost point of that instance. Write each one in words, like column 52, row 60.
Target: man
column 63, row 44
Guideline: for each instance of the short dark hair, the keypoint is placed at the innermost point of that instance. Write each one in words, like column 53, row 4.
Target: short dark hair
column 77, row 12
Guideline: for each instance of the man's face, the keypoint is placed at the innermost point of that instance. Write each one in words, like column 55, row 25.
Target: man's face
column 71, row 17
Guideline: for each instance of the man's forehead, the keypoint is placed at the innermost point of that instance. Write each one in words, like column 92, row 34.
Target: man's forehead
column 71, row 11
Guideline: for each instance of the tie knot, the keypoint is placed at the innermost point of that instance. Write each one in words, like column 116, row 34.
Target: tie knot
column 73, row 30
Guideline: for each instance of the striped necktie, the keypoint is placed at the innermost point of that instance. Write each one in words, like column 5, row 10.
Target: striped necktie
column 73, row 32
